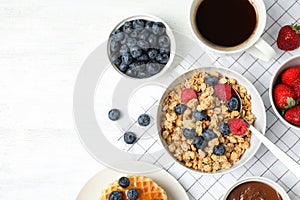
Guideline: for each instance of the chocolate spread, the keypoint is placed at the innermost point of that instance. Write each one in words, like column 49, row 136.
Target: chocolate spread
column 254, row 191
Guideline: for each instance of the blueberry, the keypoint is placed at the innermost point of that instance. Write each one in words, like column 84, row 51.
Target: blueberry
column 116, row 59
column 126, row 58
column 127, row 27
column 189, row 133
column 131, row 42
column 152, row 39
column 224, row 128
column 114, row 32
column 138, row 24
column 131, row 73
column 233, row 104
column 208, row 134
column 143, row 44
column 123, row 67
column 144, row 120
column 152, row 53
column 143, row 58
column 132, row 194
column 115, row 195
column 164, row 41
column 199, row 115
column 134, row 33
column 162, row 58
column 158, row 28
column 164, row 50
column 129, row 137
column 144, row 34
column 141, row 74
column 114, row 114
column 124, row 182
column 148, row 24
column 199, row 142
column 124, row 41
column 136, row 51
column 211, row 80
column 124, row 49
column 219, row 150
column 179, row 109
column 152, row 68
column 141, row 67
column 118, row 36
column 114, row 45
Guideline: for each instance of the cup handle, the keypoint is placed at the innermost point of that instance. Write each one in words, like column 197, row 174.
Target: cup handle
column 262, row 50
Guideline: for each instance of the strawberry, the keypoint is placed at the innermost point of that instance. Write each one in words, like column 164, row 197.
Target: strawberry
column 288, row 37
column 188, row 94
column 237, row 126
column 296, row 87
column 290, row 75
column 223, row 91
column 284, row 96
column 292, row 115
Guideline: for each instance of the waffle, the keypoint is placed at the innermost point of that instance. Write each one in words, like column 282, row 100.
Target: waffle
column 148, row 189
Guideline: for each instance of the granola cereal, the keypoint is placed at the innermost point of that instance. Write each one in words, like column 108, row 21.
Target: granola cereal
column 199, row 135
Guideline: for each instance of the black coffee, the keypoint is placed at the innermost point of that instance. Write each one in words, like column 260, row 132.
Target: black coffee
column 226, row 22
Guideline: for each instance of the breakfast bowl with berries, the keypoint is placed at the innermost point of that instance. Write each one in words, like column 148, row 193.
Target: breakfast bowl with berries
column 201, row 122
column 284, row 92
column 141, row 47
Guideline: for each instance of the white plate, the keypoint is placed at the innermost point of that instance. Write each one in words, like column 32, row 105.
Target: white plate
column 94, row 186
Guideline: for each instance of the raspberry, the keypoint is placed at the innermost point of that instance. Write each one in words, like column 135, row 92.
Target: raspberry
column 188, row 94
column 223, row 91
column 237, row 126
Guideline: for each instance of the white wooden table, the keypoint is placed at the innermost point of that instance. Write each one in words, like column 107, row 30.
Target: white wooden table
column 42, row 46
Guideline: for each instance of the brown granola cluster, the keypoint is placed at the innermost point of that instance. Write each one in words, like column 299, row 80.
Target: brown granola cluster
column 173, row 124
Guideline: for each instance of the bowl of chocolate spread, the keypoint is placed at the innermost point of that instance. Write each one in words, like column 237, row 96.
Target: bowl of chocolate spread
column 257, row 188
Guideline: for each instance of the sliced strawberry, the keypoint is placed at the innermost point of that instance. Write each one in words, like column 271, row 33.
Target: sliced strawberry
column 284, row 96
column 223, row 91
column 188, row 94
column 290, row 75
column 292, row 115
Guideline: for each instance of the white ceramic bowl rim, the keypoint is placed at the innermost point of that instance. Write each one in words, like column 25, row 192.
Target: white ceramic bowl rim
column 285, row 65
column 260, row 123
column 267, row 181
column 169, row 33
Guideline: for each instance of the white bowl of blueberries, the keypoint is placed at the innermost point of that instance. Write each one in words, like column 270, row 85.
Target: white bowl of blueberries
column 141, row 47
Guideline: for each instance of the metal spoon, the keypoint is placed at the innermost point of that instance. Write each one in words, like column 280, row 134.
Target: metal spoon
column 292, row 165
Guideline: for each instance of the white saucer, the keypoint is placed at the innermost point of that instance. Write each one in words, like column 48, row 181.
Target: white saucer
column 94, row 186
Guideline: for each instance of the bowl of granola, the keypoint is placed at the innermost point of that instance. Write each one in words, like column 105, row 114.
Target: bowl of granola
column 201, row 124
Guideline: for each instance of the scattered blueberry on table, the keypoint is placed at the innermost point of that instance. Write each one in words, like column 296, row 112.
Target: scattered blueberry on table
column 129, row 137
column 140, row 43
column 114, row 114
column 144, row 120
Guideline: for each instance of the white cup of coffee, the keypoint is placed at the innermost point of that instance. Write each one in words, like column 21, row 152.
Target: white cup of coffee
column 231, row 26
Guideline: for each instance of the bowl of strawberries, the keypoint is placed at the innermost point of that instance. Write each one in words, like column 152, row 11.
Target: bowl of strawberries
column 285, row 92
